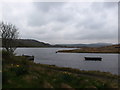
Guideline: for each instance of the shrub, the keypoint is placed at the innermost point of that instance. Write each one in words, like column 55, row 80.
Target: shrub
column 7, row 55
column 67, row 78
column 19, row 69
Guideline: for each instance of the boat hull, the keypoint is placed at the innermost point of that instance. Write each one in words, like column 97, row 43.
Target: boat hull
column 93, row 58
column 31, row 58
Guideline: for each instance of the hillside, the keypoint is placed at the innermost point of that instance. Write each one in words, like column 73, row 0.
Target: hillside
column 35, row 43
column 29, row 43
column 86, row 45
column 105, row 49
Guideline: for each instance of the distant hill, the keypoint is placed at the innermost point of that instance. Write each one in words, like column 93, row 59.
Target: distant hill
column 35, row 43
column 86, row 45
column 30, row 43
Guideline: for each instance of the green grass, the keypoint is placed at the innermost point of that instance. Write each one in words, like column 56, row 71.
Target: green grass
column 21, row 73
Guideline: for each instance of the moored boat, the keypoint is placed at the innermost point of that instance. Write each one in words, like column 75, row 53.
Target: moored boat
column 29, row 57
column 93, row 58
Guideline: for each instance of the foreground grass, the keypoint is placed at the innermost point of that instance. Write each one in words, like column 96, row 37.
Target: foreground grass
column 21, row 73
column 106, row 49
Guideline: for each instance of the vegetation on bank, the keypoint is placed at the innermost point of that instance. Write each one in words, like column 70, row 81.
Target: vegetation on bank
column 106, row 49
column 18, row 72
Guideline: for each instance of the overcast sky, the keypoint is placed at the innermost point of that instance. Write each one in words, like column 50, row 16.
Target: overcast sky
column 64, row 23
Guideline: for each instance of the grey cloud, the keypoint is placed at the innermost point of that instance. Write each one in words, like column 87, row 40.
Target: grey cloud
column 99, row 36
column 64, row 22
column 37, row 20
column 103, row 6
column 53, row 14
column 46, row 6
column 110, row 4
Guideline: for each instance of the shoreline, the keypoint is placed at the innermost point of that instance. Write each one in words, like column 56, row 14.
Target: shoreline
column 89, row 52
column 107, row 49
column 20, row 72
column 70, row 69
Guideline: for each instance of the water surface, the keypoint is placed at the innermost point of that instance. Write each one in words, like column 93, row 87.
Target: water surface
column 109, row 62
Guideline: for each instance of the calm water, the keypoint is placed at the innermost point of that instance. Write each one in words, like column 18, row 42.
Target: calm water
column 109, row 62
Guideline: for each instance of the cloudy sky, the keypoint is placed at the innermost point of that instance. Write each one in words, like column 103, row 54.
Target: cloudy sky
column 64, row 22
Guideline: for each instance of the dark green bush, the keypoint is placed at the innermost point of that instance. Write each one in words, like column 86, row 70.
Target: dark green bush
column 19, row 69
column 5, row 54
column 67, row 77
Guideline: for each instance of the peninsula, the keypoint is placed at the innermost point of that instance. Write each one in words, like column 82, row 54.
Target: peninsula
column 105, row 49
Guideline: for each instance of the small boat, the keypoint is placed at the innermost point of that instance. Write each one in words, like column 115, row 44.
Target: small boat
column 56, row 52
column 29, row 57
column 93, row 58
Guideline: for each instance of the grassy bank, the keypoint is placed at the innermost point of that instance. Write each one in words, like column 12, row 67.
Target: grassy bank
column 106, row 49
column 18, row 72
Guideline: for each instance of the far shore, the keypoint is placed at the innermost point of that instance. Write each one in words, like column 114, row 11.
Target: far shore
column 45, row 47
column 89, row 52
column 106, row 49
